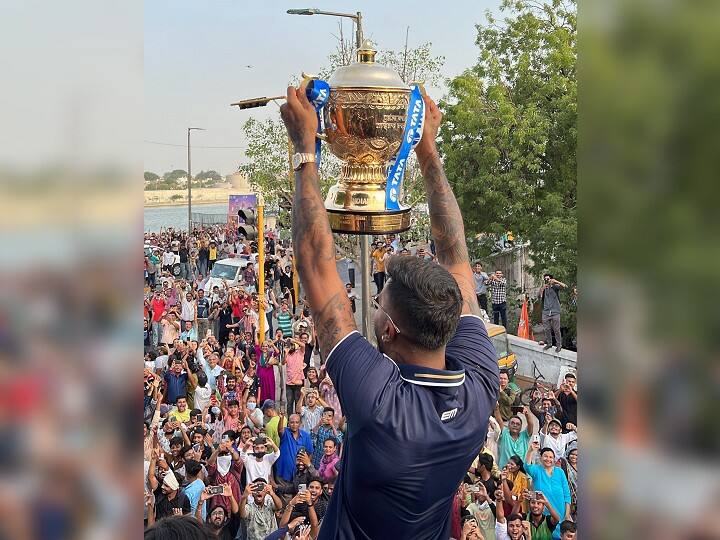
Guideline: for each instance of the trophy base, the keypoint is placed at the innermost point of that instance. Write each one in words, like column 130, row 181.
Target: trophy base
column 388, row 222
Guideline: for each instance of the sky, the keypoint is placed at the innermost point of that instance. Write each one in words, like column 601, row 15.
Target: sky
column 197, row 53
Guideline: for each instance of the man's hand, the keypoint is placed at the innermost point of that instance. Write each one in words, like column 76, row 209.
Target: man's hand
column 305, row 458
column 300, row 119
column 305, row 531
column 427, row 148
column 295, row 522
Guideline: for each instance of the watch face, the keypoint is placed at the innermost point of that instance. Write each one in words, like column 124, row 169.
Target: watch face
column 296, row 160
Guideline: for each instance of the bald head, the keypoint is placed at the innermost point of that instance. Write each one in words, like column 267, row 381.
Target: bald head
column 294, row 422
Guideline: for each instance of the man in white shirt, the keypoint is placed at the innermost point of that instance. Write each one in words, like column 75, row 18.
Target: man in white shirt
column 167, row 260
column 210, row 366
column 551, row 436
column 258, row 464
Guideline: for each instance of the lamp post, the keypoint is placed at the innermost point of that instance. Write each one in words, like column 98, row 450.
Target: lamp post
column 357, row 17
column 364, row 240
column 189, row 180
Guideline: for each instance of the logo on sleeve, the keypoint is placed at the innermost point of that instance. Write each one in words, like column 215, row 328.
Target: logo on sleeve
column 447, row 415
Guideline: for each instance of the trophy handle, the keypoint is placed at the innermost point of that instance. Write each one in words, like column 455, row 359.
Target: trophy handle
column 306, row 78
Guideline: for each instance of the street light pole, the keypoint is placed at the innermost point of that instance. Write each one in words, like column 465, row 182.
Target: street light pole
column 357, row 17
column 189, row 179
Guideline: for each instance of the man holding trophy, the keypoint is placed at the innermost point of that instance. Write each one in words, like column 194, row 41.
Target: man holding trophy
column 417, row 407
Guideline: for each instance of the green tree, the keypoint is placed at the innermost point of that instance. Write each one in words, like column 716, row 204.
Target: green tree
column 174, row 175
column 509, row 134
column 151, row 177
column 207, row 177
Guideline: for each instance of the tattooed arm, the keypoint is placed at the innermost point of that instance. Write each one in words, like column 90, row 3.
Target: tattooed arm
column 313, row 243
column 445, row 219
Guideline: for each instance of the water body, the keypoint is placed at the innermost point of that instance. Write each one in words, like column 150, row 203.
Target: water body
column 176, row 216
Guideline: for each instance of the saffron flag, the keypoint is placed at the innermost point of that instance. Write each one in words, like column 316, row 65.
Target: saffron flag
column 524, row 324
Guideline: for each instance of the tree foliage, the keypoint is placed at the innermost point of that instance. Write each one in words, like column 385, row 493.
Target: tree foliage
column 509, row 133
column 175, row 175
column 207, row 177
column 151, row 177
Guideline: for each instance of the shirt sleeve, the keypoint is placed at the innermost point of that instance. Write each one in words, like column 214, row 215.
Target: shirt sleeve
column 501, row 530
column 361, row 375
column 471, row 346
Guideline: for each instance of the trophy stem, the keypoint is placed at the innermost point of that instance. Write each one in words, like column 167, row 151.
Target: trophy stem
column 358, row 173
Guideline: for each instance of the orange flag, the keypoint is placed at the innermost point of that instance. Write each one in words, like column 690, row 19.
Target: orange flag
column 524, row 324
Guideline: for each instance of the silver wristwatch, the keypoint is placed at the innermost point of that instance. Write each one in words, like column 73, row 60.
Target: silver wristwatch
column 300, row 158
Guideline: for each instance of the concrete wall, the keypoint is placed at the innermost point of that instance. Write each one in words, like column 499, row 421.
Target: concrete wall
column 552, row 365
column 513, row 265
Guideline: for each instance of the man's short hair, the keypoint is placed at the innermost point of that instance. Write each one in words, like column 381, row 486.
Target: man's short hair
column 186, row 527
column 570, row 375
column 568, row 526
column 175, row 441
column 328, row 409
column 192, row 467
column 486, row 460
column 233, row 402
column 514, row 517
column 425, row 298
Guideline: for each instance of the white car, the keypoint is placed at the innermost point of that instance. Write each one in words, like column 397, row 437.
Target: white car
column 228, row 269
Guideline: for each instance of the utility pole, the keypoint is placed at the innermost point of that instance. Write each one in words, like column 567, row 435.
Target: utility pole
column 189, row 179
column 262, row 316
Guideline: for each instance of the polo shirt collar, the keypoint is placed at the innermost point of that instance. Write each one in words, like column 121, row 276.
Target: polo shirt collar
column 424, row 376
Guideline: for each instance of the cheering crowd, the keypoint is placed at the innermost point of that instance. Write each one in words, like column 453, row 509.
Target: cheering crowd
column 243, row 433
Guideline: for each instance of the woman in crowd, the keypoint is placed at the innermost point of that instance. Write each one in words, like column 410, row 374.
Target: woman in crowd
column 514, row 471
column 267, row 357
column 329, row 460
column 569, row 466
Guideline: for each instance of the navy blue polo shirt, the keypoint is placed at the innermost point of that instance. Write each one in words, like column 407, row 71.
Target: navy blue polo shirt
column 412, row 434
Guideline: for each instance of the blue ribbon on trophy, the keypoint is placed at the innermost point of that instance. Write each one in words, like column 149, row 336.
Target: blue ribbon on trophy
column 411, row 137
column 317, row 92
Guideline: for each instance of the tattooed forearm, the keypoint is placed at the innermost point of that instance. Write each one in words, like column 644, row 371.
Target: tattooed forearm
column 445, row 219
column 332, row 321
column 312, row 238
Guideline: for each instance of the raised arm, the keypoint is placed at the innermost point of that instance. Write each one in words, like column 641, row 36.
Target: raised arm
column 445, row 219
column 313, row 243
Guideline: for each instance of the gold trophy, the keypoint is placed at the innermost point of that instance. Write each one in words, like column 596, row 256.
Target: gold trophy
column 364, row 121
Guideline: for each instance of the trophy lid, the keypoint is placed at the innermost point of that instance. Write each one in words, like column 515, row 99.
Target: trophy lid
column 365, row 73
